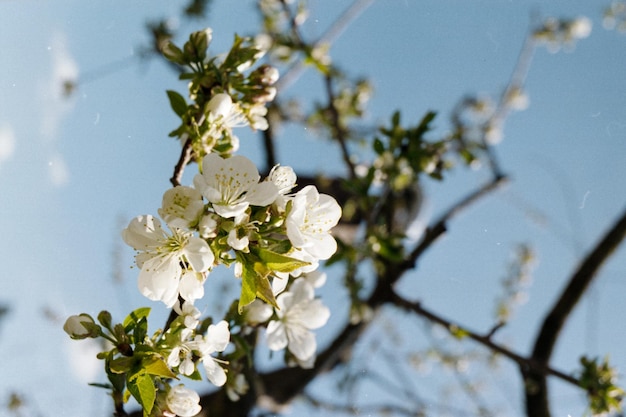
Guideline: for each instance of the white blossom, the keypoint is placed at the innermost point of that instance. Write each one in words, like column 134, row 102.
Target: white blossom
column 182, row 357
column 216, row 340
column 256, row 116
column 232, row 185
column 299, row 313
column 160, row 256
column 183, row 402
column 285, row 180
column 309, row 222
column 236, row 242
column 182, row 207
column 191, row 316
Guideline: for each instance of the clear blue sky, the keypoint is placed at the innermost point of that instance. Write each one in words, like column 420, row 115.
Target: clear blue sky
column 73, row 172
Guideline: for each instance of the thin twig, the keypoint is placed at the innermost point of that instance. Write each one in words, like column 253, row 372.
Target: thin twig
column 334, row 31
column 486, row 341
column 339, row 131
column 183, row 160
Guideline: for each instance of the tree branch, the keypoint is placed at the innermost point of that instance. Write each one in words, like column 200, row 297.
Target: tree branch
column 485, row 340
column 537, row 389
column 333, row 32
column 183, row 160
column 339, row 131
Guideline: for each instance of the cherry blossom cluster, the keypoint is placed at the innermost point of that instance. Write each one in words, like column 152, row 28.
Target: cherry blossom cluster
column 273, row 239
column 270, row 235
column 231, row 217
column 558, row 33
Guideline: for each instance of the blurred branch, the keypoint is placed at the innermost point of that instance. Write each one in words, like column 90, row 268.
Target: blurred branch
column 339, row 132
column 334, row 31
column 537, row 389
column 485, row 340
column 369, row 409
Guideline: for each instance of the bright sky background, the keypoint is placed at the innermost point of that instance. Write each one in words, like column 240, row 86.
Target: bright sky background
column 74, row 171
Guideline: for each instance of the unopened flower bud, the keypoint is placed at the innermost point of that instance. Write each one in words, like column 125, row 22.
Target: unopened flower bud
column 269, row 74
column 183, row 402
column 81, row 326
column 220, row 105
column 198, row 44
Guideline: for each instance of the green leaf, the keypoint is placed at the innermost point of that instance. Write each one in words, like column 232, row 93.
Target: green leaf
column 155, row 365
column 378, row 146
column 122, row 364
column 100, row 385
column 264, row 290
column 143, row 390
column 278, row 262
column 135, row 316
column 424, row 125
column 248, row 287
column 177, row 102
column 395, row 119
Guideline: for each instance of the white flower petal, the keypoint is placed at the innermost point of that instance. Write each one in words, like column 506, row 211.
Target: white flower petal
column 262, row 194
column 220, row 105
column 191, row 287
column 214, row 372
column 187, row 367
column 183, row 402
column 301, row 291
column 314, row 314
column 143, row 232
column 181, row 207
column 301, row 342
column 258, row 312
column 218, row 336
column 228, row 211
column 276, row 335
column 199, row 254
column 159, row 279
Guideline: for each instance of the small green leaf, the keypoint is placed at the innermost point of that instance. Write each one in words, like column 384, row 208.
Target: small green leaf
column 278, row 262
column 378, row 146
column 100, row 385
column 395, row 119
column 177, row 102
column 155, row 365
column 134, row 317
column 264, row 291
column 122, row 364
column 248, row 287
column 143, row 390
